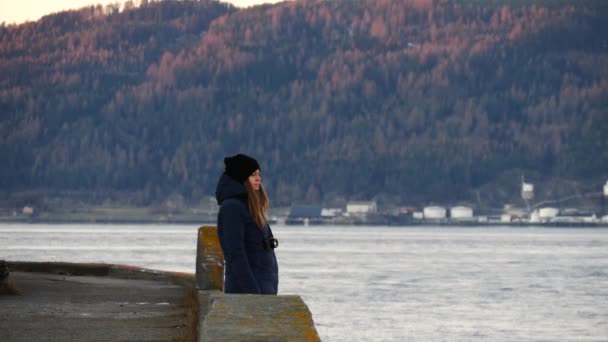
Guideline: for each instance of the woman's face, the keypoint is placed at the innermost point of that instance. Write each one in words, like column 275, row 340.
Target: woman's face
column 255, row 179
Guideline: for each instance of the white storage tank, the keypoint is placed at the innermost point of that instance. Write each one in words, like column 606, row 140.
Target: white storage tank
column 434, row 212
column 516, row 212
column 606, row 189
column 545, row 213
column 461, row 212
column 535, row 217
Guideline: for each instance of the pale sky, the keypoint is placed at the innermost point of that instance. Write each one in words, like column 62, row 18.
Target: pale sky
column 18, row 11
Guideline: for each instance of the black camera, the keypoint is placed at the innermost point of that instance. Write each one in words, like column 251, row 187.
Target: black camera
column 271, row 243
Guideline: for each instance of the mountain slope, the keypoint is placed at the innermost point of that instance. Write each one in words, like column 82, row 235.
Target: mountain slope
column 407, row 102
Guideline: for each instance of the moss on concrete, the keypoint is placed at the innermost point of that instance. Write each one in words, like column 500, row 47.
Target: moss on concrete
column 209, row 260
column 258, row 318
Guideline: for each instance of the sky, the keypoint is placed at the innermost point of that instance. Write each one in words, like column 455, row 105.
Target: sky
column 19, row 11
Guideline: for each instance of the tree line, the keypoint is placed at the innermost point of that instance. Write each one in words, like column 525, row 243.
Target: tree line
column 406, row 102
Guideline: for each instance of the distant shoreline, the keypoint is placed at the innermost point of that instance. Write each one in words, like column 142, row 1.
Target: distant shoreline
column 199, row 223
column 106, row 221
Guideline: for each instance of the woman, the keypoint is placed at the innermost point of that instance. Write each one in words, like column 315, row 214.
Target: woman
column 245, row 236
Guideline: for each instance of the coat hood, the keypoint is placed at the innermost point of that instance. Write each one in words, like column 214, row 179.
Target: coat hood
column 228, row 187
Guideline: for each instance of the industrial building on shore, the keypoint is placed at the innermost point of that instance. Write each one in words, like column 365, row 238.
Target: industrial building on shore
column 368, row 212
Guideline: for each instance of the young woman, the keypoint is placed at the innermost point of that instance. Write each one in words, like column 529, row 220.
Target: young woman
column 245, row 236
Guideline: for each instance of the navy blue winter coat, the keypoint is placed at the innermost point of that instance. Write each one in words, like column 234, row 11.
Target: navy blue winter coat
column 249, row 266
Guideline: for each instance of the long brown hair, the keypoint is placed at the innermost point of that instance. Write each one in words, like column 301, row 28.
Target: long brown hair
column 258, row 204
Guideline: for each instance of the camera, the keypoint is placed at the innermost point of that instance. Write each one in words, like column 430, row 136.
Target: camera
column 271, row 243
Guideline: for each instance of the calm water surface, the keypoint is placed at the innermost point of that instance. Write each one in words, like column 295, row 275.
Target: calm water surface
column 386, row 283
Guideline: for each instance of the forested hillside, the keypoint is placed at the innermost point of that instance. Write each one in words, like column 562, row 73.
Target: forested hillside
column 408, row 102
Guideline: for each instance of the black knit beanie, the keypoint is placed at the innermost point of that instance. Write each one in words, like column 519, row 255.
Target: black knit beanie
column 240, row 167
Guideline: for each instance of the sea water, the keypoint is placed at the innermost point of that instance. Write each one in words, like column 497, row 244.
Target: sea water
column 387, row 283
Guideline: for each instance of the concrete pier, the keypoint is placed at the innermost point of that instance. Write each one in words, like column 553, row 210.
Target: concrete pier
column 59, row 301
column 94, row 302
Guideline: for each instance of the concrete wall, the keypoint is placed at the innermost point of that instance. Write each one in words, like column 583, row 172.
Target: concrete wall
column 257, row 318
column 101, row 270
column 231, row 317
column 209, row 260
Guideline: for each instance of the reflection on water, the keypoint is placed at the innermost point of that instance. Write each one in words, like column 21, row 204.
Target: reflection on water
column 386, row 283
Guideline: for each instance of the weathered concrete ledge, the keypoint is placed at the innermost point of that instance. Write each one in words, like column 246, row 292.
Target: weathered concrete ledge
column 101, row 270
column 257, row 318
column 209, row 260
column 238, row 318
